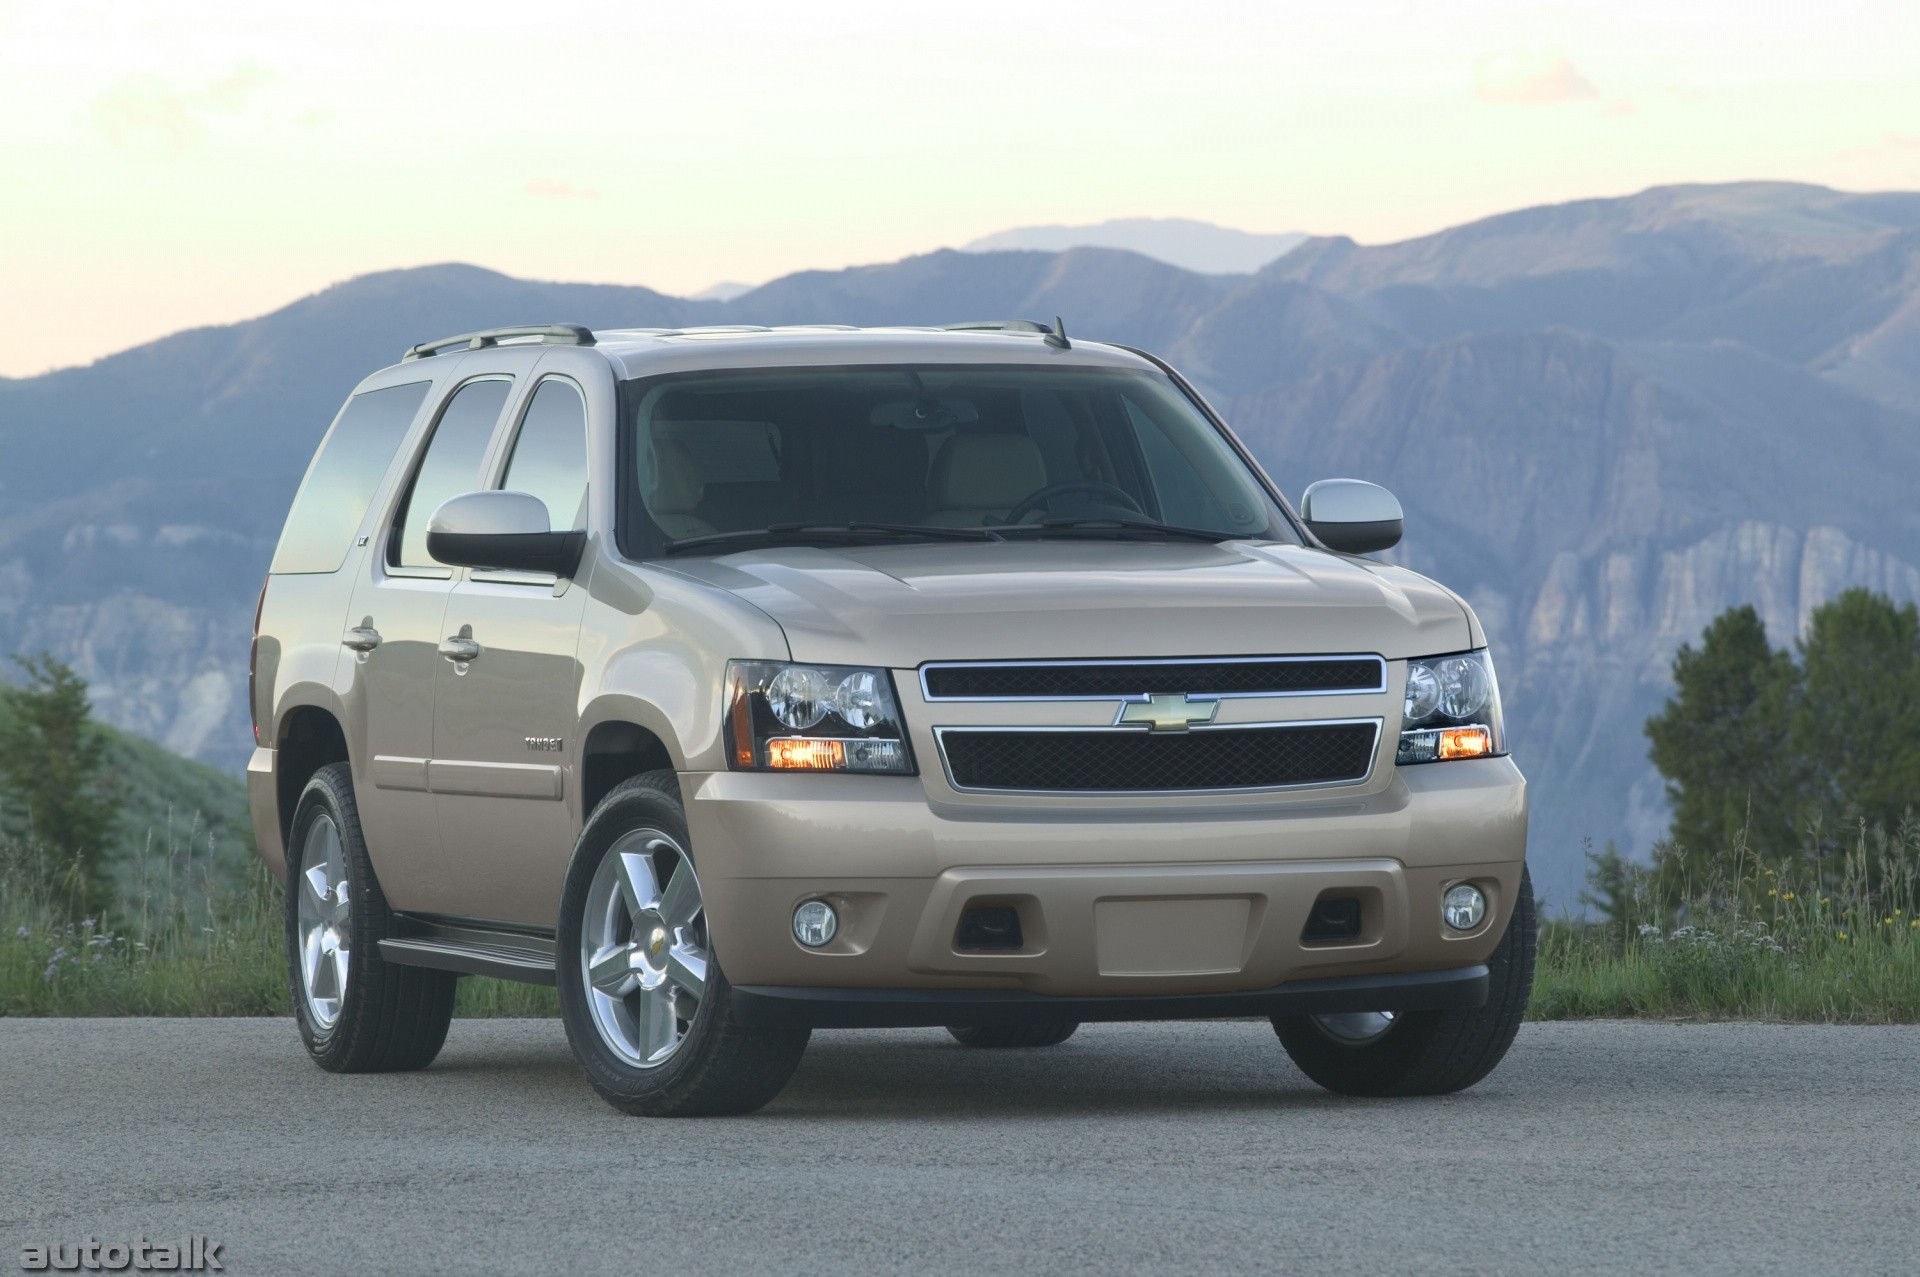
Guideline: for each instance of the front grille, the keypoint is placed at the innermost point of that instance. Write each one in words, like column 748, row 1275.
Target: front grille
column 1111, row 759
column 1250, row 676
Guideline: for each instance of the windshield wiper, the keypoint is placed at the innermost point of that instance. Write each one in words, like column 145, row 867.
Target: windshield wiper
column 1125, row 527
column 815, row 531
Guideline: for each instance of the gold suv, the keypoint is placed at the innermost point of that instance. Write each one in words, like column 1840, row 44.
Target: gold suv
column 747, row 682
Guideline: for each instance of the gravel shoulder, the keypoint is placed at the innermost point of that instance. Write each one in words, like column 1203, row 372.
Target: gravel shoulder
column 1156, row 1148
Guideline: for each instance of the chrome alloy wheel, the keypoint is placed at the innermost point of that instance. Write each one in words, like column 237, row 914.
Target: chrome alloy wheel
column 643, row 947
column 1355, row 1028
column 325, row 947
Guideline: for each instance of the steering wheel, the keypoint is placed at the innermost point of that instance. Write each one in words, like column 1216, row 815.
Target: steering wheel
column 1042, row 496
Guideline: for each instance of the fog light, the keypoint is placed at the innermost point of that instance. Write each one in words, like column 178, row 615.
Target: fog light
column 1463, row 906
column 814, row 923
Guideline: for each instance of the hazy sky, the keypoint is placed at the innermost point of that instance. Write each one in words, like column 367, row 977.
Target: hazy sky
column 170, row 164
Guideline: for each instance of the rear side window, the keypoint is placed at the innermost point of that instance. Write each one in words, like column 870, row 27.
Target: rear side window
column 341, row 481
column 451, row 467
column 550, row 455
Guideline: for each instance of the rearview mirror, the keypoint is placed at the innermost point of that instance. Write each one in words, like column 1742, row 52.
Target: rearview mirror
column 1352, row 516
column 502, row 530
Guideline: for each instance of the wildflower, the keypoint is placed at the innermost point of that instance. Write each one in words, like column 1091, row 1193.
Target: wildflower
column 22, row 932
column 46, row 977
column 87, row 923
column 1788, row 896
column 1773, row 891
column 1915, row 924
column 1839, row 935
column 1826, row 900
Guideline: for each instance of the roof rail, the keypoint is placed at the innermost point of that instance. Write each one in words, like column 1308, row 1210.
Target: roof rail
column 1054, row 336
column 997, row 326
column 549, row 335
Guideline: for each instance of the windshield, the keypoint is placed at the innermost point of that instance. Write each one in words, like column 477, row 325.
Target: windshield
column 815, row 454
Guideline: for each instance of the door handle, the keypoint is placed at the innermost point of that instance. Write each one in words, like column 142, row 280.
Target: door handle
column 459, row 648
column 361, row 638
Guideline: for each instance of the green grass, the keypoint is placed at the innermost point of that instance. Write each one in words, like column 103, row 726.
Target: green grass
column 1832, row 938
column 1734, row 969
column 193, row 936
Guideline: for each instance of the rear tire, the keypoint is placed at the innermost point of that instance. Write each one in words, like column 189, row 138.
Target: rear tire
column 646, row 1006
column 357, row 1012
column 1040, row 1031
column 1423, row 1052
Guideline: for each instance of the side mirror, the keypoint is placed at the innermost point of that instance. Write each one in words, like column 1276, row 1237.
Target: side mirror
column 1351, row 516
column 502, row 530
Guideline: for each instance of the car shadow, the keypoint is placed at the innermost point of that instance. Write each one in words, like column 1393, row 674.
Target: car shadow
column 1171, row 1068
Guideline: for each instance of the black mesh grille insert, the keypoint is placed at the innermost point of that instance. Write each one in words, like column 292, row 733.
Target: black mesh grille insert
column 1198, row 678
column 1113, row 759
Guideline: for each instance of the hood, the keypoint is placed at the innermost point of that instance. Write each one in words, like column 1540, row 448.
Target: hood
column 900, row 605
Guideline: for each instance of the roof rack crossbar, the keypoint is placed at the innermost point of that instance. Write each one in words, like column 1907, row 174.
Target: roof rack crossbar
column 548, row 335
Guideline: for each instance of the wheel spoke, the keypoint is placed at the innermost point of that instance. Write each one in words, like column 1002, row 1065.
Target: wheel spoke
column 637, row 885
column 687, row 968
column 656, row 1025
column 310, row 958
column 340, row 958
column 681, row 900
column 319, row 890
column 611, row 971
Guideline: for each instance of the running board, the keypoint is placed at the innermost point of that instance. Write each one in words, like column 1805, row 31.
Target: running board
column 471, row 947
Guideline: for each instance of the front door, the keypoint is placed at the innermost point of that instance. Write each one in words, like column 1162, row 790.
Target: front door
column 506, row 701
column 395, row 628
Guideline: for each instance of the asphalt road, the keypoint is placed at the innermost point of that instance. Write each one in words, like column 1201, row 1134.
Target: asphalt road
column 1165, row 1149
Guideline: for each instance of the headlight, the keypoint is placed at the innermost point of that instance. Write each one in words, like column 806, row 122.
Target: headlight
column 834, row 718
column 1452, row 710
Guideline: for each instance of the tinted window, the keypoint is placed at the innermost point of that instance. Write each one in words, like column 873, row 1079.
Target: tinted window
column 349, row 466
column 451, row 467
column 1186, row 497
column 1008, row 448
column 550, row 454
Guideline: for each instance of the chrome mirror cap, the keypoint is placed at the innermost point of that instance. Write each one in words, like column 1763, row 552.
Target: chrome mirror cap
column 1352, row 515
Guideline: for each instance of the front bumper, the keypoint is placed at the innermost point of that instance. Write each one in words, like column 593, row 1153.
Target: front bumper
column 770, row 1006
column 1171, row 901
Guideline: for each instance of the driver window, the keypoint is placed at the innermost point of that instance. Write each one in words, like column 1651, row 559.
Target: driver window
column 450, row 467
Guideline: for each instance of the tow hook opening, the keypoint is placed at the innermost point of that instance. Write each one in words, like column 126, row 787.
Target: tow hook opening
column 1335, row 919
column 989, row 929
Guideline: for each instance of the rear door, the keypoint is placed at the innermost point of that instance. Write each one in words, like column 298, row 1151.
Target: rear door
column 504, row 739
column 395, row 627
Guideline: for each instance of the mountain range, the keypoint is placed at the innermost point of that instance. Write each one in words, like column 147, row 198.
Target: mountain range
column 1177, row 241
column 1607, row 420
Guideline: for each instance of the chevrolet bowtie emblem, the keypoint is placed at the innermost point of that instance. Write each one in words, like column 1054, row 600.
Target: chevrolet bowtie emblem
column 1167, row 712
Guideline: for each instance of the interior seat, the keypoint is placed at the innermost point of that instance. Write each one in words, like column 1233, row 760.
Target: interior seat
column 677, row 490
column 978, row 478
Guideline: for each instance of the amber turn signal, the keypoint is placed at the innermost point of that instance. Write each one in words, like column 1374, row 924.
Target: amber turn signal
column 1465, row 742
column 791, row 754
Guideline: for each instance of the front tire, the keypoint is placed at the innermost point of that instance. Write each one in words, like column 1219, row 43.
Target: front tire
column 645, row 1003
column 357, row 1012
column 1422, row 1052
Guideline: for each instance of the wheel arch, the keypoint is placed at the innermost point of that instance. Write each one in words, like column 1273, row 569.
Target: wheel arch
column 622, row 737
column 308, row 737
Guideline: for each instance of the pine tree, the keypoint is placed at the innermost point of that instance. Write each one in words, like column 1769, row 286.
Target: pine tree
column 53, row 793
column 1857, row 724
column 1723, row 744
